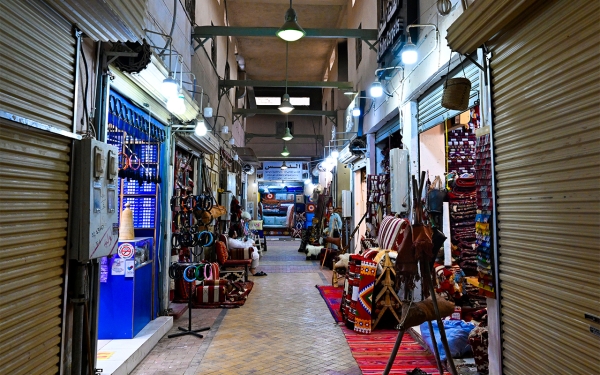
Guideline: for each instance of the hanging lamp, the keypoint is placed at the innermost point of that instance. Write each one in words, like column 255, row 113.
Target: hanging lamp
column 409, row 52
column 285, row 151
column 286, row 106
column 291, row 31
column 284, row 166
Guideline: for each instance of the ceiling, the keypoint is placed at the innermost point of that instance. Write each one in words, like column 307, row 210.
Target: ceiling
column 265, row 56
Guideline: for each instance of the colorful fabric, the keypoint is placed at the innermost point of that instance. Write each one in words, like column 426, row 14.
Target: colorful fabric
column 237, row 253
column 221, row 250
column 363, row 320
column 333, row 299
column 210, row 294
column 391, row 232
column 372, row 352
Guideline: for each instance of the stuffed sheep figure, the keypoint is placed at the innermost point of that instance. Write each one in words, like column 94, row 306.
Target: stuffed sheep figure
column 312, row 252
column 342, row 262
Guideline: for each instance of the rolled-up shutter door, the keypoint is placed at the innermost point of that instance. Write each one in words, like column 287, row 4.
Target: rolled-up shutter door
column 34, row 174
column 430, row 110
column 37, row 56
column 547, row 150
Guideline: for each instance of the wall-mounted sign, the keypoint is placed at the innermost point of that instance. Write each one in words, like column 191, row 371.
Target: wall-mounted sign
column 272, row 171
column 392, row 26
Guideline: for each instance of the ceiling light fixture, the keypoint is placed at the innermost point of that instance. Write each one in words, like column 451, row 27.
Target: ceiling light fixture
column 284, row 166
column 376, row 89
column 409, row 51
column 176, row 104
column 169, row 87
column 286, row 106
column 291, row 31
column 285, row 151
column 287, row 136
column 200, row 129
column 356, row 112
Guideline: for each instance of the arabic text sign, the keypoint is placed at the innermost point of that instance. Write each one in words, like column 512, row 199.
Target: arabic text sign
column 272, row 171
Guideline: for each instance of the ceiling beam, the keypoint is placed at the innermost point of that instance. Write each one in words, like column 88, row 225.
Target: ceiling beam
column 295, row 112
column 302, row 84
column 203, row 32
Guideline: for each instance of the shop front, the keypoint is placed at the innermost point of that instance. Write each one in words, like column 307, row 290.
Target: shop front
column 129, row 279
column 544, row 105
column 283, row 206
column 37, row 133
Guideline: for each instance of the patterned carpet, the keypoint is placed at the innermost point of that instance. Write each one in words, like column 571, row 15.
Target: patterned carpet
column 333, row 298
column 371, row 351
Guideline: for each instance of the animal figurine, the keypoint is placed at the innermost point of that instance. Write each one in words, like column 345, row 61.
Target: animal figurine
column 312, row 252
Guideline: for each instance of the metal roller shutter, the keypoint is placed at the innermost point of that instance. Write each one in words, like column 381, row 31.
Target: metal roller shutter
column 430, row 110
column 34, row 174
column 547, row 152
column 37, row 55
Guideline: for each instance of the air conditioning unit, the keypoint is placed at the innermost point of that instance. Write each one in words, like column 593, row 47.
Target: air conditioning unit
column 346, row 203
column 346, row 156
column 400, row 180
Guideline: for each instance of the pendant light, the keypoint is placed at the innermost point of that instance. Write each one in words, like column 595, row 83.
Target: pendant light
column 285, row 151
column 200, row 129
column 291, row 31
column 284, row 166
column 286, row 106
column 409, row 52
column 376, row 89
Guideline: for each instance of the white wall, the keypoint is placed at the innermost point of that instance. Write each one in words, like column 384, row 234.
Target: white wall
column 432, row 153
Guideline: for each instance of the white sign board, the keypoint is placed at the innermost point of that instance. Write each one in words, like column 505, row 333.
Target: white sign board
column 272, row 171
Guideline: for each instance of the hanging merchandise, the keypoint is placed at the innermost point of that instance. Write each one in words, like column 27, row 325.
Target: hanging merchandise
column 485, row 204
column 378, row 194
column 456, row 91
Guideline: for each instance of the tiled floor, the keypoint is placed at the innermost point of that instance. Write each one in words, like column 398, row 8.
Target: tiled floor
column 284, row 328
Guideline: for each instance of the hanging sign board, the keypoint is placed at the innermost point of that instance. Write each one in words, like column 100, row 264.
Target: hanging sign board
column 272, row 171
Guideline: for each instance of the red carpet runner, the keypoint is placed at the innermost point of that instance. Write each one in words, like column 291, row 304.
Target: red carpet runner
column 371, row 351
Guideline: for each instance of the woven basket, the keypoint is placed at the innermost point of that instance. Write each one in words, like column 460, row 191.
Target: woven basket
column 456, row 94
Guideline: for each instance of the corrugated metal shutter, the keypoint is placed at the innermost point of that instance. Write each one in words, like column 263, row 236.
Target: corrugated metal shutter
column 387, row 130
column 430, row 110
column 37, row 55
column 481, row 21
column 106, row 20
column 34, row 173
column 547, row 151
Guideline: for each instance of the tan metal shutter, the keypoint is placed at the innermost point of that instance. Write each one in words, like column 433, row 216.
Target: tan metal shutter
column 34, row 171
column 37, row 55
column 429, row 106
column 547, row 150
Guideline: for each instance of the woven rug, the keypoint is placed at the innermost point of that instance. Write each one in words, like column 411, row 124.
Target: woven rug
column 333, row 297
column 371, row 351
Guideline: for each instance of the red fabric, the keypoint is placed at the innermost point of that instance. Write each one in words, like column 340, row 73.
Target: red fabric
column 210, row 294
column 391, row 232
column 236, row 262
column 241, row 254
column 217, row 282
column 221, row 250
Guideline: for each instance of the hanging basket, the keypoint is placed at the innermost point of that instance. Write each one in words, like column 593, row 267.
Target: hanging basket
column 456, row 94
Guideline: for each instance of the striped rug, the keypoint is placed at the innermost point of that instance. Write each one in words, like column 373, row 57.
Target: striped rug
column 372, row 351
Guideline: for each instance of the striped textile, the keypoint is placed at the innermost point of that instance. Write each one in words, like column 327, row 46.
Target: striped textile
column 210, row 294
column 372, row 352
column 239, row 254
column 391, row 233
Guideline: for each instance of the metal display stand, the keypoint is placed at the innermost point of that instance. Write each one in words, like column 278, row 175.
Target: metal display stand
column 189, row 330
